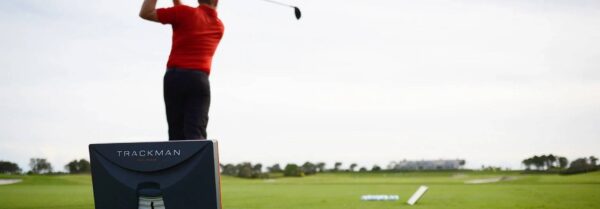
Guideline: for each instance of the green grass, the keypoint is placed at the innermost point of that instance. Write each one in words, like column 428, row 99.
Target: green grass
column 343, row 191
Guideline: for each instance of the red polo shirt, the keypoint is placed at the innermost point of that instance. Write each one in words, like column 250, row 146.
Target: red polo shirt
column 196, row 35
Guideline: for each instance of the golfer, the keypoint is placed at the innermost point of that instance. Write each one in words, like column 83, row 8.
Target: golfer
column 196, row 35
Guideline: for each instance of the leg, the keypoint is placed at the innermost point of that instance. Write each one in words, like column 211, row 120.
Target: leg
column 196, row 107
column 174, row 105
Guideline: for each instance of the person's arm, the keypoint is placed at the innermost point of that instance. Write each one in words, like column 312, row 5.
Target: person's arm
column 148, row 11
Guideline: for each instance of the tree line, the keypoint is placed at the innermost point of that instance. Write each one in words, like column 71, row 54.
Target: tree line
column 244, row 170
column 43, row 166
column 249, row 170
column 536, row 163
column 555, row 163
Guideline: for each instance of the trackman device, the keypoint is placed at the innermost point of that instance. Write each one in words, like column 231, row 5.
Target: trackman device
column 156, row 175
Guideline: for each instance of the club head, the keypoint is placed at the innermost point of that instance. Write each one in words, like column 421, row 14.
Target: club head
column 297, row 12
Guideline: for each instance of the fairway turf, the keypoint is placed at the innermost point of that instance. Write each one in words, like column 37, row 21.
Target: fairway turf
column 343, row 191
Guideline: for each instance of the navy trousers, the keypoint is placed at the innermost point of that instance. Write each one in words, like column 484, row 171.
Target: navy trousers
column 187, row 100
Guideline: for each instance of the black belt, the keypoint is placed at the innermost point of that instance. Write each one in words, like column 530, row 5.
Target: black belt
column 186, row 70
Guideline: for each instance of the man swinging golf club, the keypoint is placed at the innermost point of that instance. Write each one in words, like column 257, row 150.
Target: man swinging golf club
column 196, row 35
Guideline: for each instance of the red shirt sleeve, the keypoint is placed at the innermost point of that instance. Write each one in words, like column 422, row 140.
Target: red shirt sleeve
column 168, row 15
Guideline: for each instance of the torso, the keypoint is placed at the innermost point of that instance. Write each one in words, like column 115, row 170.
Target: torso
column 196, row 35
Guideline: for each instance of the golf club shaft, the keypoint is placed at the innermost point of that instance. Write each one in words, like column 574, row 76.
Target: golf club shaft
column 279, row 3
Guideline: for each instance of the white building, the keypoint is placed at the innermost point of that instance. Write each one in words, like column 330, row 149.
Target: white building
column 427, row 165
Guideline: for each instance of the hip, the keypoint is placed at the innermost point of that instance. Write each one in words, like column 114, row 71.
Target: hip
column 186, row 80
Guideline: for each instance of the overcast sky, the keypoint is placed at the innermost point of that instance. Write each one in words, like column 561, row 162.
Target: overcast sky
column 492, row 82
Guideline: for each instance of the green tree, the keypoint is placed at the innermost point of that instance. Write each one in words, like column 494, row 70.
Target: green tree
column 275, row 169
column 321, row 166
column 593, row 160
column 9, row 168
column 337, row 166
column 538, row 162
column 352, row 167
column 40, row 165
column 78, row 166
column 245, row 170
column 563, row 162
column 257, row 168
column 292, row 170
column 376, row 168
column 527, row 163
column 229, row 170
column 580, row 164
column 362, row 169
column 544, row 159
column 309, row 168
column 257, row 171
column 551, row 159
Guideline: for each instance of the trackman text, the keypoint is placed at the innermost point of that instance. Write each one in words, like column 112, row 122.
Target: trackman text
column 149, row 153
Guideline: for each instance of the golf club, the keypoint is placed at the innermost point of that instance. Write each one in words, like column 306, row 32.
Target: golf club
column 296, row 9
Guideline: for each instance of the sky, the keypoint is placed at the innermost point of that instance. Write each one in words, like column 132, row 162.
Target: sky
column 366, row 82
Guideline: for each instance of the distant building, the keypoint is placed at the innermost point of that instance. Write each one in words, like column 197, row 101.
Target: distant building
column 407, row 165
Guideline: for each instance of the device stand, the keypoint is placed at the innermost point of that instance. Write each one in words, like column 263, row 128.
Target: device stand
column 150, row 196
